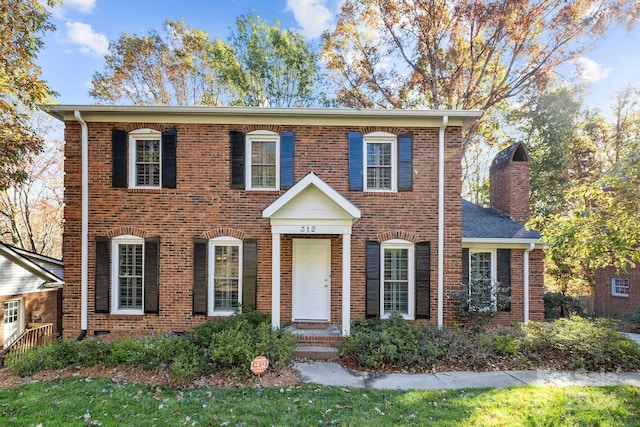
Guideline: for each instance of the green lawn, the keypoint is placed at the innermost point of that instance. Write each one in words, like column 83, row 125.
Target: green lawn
column 80, row 401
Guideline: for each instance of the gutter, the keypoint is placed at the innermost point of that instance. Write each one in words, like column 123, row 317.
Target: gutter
column 84, row 251
column 526, row 281
column 445, row 121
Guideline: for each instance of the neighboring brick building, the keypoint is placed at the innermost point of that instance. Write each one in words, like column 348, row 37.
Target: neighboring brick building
column 616, row 293
column 29, row 292
column 316, row 216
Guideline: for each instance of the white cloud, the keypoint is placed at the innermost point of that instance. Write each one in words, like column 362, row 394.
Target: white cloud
column 90, row 42
column 589, row 70
column 313, row 16
column 84, row 6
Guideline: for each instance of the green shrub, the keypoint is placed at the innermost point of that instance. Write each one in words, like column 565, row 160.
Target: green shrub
column 505, row 345
column 578, row 343
column 558, row 305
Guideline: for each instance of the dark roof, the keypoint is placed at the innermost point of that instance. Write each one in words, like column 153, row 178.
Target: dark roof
column 488, row 223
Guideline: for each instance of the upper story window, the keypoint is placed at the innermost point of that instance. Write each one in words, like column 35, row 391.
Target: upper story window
column 620, row 287
column 144, row 158
column 380, row 162
column 262, row 160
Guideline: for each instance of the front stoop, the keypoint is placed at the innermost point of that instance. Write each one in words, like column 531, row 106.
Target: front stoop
column 316, row 344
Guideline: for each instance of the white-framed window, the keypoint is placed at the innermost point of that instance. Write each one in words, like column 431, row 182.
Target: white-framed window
column 380, row 162
column 620, row 287
column 225, row 276
column 482, row 280
column 397, row 278
column 127, row 272
column 263, row 160
column 145, row 165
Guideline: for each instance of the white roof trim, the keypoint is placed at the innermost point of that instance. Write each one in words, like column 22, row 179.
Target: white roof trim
column 502, row 242
column 311, row 179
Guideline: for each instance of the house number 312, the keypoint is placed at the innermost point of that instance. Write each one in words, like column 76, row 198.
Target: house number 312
column 308, row 229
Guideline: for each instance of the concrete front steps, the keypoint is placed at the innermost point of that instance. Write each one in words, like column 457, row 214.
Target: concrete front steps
column 316, row 341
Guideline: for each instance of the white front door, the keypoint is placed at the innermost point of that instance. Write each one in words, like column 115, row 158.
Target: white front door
column 311, row 279
column 12, row 321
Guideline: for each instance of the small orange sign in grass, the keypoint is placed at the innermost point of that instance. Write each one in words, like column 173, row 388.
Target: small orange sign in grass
column 259, row 365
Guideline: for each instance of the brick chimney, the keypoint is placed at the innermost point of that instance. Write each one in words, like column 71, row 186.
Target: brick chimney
column 509, row 182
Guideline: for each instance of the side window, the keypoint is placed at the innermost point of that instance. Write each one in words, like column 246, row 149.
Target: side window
column 127, row 274
column 225, row 276
column 263, row 160
column 482, row 282
column 397, row 278
column 620, row 287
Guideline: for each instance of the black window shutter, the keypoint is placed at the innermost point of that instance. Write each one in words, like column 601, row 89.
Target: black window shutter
column 355, row 161
column 119, row 160
column 504, row 279
column 169, row 148
column 103, row 274
column 405, row 162
column 151, row 275
column 465, row 273
column 287, row 153
column 237, row 159
column 373, row 278
column 249, row 272
column 423, row 280
column 465, row 266
column 200, row 276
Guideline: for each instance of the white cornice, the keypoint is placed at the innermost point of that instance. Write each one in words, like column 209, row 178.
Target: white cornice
column 254, row 115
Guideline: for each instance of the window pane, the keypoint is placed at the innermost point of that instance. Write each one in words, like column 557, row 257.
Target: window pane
column 130, row 276
column 621, row 286
column 481, row 292
column 226, row 277
column 263, row 164
column 379, row 166
column 148, row 162
column 396, row 281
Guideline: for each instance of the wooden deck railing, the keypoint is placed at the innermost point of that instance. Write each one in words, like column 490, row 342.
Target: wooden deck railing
column 35, row 335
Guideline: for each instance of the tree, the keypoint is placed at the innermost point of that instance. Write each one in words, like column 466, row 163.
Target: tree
column 31, row 210
column 22, row 26
column 278, row 68
column 459, row 54
column 601, row 223
column 262, row 65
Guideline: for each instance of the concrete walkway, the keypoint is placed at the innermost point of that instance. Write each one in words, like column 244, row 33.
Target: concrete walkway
column 333, row 374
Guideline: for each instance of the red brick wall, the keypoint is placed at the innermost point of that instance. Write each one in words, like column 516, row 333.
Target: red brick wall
column 509, row 190
column 204, row 203
column 606, row 304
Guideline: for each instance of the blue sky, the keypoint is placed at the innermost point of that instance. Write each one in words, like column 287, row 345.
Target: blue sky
column 85, row 27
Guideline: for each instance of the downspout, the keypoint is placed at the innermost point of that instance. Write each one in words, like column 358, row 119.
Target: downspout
column 526, row 281
column 445, row 121
column 84, row 250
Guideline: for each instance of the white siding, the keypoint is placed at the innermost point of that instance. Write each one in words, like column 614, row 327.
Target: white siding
column 312, row 203
column 15, row 279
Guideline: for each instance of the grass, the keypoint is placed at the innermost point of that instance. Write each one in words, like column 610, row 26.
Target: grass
column 84, row 401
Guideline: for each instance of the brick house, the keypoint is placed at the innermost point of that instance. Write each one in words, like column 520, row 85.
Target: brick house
column 30, row 292
column 175, row 215
column 616, row 293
